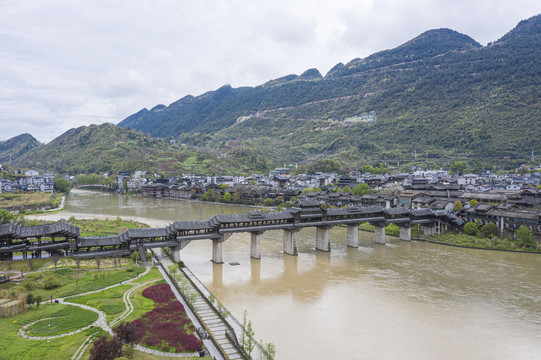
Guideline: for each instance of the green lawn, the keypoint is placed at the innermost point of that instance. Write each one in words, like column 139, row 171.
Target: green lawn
column 14, row 347
column 65, row 320
column 111, row 302
column 68, row 282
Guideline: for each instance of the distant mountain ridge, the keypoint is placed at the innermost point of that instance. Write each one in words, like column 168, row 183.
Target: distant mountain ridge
column 17, row 146
column 441, row 92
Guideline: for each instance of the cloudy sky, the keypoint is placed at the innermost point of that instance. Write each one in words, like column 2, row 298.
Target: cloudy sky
column 66, row 63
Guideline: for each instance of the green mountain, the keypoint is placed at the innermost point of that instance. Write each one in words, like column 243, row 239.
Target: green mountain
column 94, row 148
column 17, row 146
column 441, row 93
column 107, row 147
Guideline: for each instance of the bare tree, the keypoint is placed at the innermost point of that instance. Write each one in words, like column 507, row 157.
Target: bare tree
column 30, row 262
column 56, row 258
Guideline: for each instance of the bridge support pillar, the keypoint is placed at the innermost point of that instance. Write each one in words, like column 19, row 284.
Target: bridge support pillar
column 323, row 238
column 217, row 256
column 175, row 253
column 428, row 229
column 353, row 235
column 405, row 233
column 379, row 234
column 290, row 242
column 142, row 253
column 255, row 246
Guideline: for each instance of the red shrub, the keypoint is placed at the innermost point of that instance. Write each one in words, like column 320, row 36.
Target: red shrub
column 164, row 327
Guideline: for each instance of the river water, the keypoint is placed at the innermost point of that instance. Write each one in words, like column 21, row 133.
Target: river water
column 399, row 301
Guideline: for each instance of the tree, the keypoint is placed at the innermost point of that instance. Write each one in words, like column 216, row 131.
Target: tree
column 458, row 167
column 346, row 189
column 360, row 189
column 293, row 199
column 470, row 229
column 56, row 258
column 457, row 206
column 209, row 195
column 367, row 169
column 104, row 349
column 30, row 299
column 489, row 230
column 126, row 333
column 268, row 202
column 62, row 185
column 227, row 197
column 525, row 236
column 473, row 202
column 37, row 300
column 30, row 263
column 6, row 216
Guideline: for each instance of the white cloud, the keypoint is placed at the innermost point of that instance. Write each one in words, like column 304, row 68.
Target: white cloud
column 71, row 63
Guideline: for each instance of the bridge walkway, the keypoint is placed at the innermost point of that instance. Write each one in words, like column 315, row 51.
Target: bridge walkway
column 214, row 324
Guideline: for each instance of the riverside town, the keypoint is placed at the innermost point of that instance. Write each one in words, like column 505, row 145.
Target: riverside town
column 384, row 205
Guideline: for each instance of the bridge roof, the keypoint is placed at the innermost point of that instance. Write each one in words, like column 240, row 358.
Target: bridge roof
column 252, row 216
column 99, row 241
column 7, row 229
column 147, row 233
column 60, row 228
column 397, row 211
column 421, row 212
column 354, row 210
column 192, row 225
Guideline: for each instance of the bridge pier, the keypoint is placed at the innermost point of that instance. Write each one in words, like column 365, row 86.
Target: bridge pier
column 290, row 242
column 405, row 233
column 379, row 234
column 353, row 235
column 175, row 253
column 428, row 229
column 323, row 238
column 255, row 246
column 142, row 253
column 217, row 253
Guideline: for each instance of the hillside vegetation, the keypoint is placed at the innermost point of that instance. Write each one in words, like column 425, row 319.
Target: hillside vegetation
column 17, row 146
column 440, row 92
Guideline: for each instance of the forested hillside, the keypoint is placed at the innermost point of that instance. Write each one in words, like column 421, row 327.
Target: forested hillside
column 441, row 93
column 17, row 146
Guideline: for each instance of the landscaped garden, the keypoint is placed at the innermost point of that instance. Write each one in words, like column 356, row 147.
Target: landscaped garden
column 66, row 318
column 167, row 326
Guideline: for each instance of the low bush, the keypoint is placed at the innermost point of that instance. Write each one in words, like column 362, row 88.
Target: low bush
column 470, row 229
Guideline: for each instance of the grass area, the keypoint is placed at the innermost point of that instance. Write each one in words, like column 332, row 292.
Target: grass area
column 40, row 199
column 18, row 265
column 497, row 243
column 65, row 320
column 96, row 227
column 68, row 282
column 92, row 264
column 14, row 347
column 110, row 301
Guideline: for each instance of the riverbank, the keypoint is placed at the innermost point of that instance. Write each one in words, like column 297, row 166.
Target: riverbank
column 466, row 242
column 31, row 202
